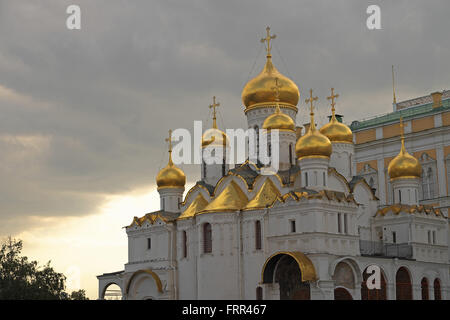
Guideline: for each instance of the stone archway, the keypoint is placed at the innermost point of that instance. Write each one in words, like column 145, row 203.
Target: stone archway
column 342, row 294
column 373, row 294
column 112, row 291
column 144, row 285
column 292, row 271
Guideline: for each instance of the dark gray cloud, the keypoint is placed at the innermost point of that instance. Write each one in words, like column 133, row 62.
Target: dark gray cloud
column 83, row 114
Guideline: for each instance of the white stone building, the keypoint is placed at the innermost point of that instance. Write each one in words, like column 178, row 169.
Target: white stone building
column 311, row 230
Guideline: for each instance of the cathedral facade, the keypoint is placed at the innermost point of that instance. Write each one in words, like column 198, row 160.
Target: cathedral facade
column 344, row 199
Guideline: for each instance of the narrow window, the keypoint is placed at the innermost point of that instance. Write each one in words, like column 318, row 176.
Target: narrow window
column 149, row 243
column 345, row 224
column 207, row 238
column 204, row 169
column 437, row 289
column 429, row 236
column 184, row 244
column 292, row 225
column 259, row 293
column 339, row 223
column 306, row 179
column 324, row 184
column 394, row 237
column 258, row 242
column 290, row 154
column 400, row 196
column 434, row 237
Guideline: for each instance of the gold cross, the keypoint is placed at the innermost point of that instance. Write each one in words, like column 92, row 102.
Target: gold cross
column 311, row 100
column 169, row 139
column 267, row 39
column 214, row 106
column 277, row 90
column 332, row 97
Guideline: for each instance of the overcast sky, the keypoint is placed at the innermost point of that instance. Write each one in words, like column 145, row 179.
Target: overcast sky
column 84, row 113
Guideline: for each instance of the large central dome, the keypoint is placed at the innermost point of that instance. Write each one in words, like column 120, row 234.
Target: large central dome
column 259, row 90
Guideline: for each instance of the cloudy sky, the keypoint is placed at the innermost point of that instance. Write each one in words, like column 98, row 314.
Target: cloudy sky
column 84, row 113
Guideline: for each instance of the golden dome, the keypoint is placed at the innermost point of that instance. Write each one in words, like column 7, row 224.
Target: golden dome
column 335, row 130
column 214, row 137
column 313, row 143
column 259, row 89
column 170, row 176
column 404, row 165
column 279, row 121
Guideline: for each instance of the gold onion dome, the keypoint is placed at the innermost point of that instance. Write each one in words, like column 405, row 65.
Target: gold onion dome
column 259, row 89
column 278, row 120
column 335, row 130
column 170, row 176
column 214, row 137
column 404, row 165
column 313, row 144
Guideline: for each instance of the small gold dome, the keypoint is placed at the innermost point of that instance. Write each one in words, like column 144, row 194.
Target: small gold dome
column 214, row 137
column 404, row 165
column 313, row 144
column 171, row 177
column 279, row 121
column 337, row 131
column 260, row 89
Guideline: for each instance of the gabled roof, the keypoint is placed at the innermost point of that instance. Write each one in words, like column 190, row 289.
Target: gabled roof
column 265, row 196
column 197, row 205
column 232, row 198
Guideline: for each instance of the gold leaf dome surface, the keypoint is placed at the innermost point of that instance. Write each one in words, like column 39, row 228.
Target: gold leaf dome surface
column 171, row 177
column 279, row 121
column 337, row 131
column 259, row 89
column 214, row 137
column 404, row 165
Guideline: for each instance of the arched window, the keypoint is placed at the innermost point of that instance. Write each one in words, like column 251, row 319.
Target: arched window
column 207, row 238
column 259, row 293
column 424, row 286
column 257, row 141
column 290, row 154
column 373, row 294
column 184, row 244
column 427, row 183
column 258, row 240
column 437, row 289
column 306, row 179
column 403, row 285
column 204, row 169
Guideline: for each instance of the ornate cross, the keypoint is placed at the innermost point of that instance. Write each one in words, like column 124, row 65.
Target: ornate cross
column 311, row 100
column 214, row 106
column 267, row 39
column 332, row 97
column 277, row 90
column 169, row 139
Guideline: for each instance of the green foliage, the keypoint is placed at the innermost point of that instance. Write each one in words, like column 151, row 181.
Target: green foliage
column 21, row 279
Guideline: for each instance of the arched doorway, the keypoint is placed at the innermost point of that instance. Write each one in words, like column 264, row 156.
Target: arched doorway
column 437, row 289
column 424, row 287
column 403, row 286
column 344, row 280
column 144, row 285
column 292, row 271
column 373, row 294
column 342, row 294
column 112, row 292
